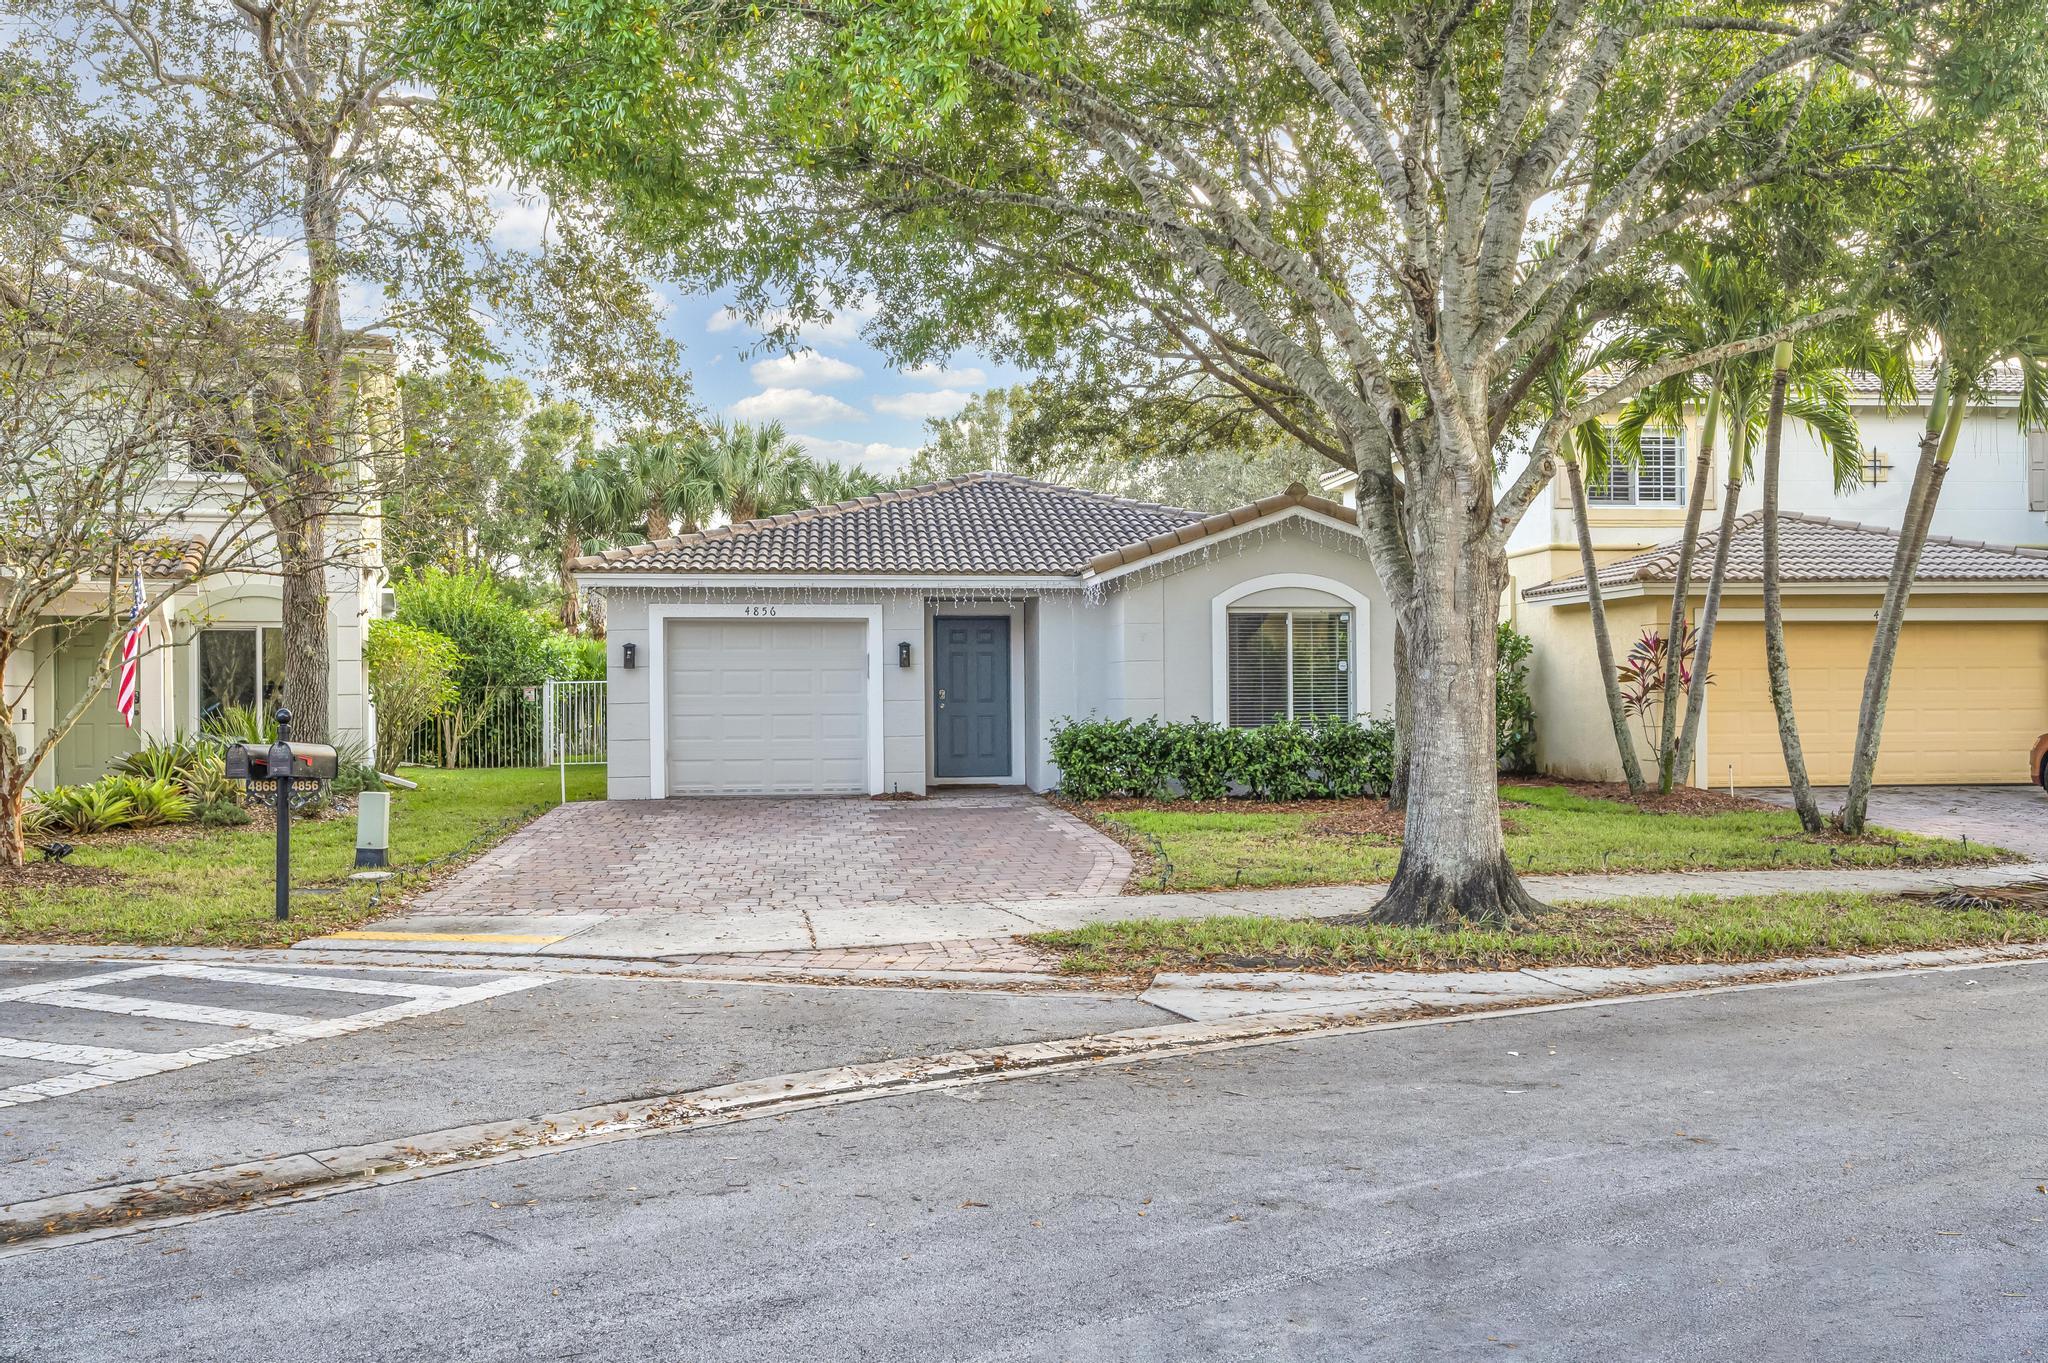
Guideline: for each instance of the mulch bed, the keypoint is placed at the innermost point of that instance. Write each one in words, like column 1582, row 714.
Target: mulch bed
column 1682, row 800
column 52, row 875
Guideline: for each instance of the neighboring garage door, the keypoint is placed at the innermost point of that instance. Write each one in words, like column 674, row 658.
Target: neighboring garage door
column 767, row 707
column 1967, row 701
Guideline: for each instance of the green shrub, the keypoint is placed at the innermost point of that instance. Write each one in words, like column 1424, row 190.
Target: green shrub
column 150, row 802
column 1514, row 711
column 223, row 814
column 1202, row 760
column 412, row 680
column 85, row 809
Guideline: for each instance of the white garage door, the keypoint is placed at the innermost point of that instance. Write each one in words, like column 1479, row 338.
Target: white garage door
column 767, row 707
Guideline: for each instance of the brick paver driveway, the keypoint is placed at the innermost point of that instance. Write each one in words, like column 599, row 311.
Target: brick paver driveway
column 746, row 855
column 2012, row 817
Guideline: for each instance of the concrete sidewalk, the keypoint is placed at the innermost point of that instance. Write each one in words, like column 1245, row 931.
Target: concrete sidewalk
column 707, row 932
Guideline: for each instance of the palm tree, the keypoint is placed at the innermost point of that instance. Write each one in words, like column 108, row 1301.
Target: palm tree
column 673, row 481
column 754, row 471
column 592, row 498
column 1957, row 379
column 826, row 481
column 1717, row 298
column 1589, row 449
column 1721, row 298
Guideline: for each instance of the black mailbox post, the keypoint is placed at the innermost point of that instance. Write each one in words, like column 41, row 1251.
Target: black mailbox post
column 282, row 762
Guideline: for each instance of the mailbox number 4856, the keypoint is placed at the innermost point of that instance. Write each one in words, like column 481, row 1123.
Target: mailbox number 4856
column 760, row 610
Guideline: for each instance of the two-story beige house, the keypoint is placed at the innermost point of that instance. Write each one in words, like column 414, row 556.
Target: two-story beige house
column 1970, row 687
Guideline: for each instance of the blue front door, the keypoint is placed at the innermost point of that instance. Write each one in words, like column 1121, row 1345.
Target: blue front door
column 971, row 696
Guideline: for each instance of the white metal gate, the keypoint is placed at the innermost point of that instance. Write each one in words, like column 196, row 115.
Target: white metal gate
column 573, row 726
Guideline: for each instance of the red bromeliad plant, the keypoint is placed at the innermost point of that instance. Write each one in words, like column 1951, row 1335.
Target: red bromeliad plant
column 1646, row 676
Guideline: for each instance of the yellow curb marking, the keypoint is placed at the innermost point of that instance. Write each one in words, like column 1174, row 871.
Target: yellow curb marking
column 526, row 938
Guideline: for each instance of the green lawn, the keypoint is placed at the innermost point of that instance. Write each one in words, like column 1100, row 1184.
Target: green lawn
column 1629, row 932
column 1550, row 830
column 213, row 887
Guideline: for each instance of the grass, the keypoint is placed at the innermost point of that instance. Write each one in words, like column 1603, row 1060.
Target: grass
column 192, row 886
column 1691, row 928
column 1549, row 831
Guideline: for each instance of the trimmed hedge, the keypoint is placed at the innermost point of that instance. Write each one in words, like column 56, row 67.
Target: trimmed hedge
column 1203, row 760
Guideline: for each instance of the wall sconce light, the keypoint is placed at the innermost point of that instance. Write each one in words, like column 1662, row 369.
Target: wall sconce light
column 632, row 652
column 903, row 653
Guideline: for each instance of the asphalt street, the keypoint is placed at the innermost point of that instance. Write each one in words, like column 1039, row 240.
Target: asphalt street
column 1843, row 1170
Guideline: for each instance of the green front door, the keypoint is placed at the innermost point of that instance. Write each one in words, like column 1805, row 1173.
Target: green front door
column 99, row 737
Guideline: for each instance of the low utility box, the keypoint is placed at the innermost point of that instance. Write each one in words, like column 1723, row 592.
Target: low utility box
column 373, row 828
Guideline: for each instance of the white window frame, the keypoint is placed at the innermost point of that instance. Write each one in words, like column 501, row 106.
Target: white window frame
column 1616, row 470
column 1219, row 637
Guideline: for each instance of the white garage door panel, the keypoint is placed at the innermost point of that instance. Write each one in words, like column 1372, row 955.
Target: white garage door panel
column 767, row 707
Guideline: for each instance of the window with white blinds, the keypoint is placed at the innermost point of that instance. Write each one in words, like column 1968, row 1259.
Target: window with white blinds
column 1289, row 663
column 1658, row 480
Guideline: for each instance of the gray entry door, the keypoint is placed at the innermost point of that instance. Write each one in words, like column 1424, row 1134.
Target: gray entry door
column 971, row 696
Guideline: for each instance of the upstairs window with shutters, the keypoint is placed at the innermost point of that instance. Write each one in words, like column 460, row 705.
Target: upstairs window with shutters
column 1658, row 480
column 1289, row 663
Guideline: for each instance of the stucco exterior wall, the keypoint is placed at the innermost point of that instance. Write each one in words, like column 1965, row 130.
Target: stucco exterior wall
column 1143, row 645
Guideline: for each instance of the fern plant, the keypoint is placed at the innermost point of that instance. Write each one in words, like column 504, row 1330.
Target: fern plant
column 241, row 724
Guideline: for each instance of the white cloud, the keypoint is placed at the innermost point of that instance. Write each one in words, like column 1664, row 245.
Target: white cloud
column 873, row 454
column 845, row 326
column 953, row 378
column 805, row 366
column 794, row 407
column 522, row 218
column 918, row 406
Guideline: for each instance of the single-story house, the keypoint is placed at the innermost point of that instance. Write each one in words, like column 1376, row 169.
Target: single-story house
column 933, row 635
column 1969, row 691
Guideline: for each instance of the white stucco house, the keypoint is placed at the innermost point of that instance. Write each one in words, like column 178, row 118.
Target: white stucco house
column 217, row 638
column 932, row 635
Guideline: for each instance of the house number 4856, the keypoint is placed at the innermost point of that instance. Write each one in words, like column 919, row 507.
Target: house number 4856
column 760, row 610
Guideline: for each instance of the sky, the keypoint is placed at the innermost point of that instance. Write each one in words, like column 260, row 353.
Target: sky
column 836, row 393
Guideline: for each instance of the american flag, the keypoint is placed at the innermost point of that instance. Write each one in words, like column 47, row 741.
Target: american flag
column 128, row 699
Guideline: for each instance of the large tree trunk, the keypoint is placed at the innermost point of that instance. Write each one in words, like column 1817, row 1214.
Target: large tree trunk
column 1710, row 610
column 1454, row 866
column 1404, row 722
column 300, row 504
column 1775, row 659
column 303, row 575
column 1937, row 444
column 657, row 520
column 1681, row 591
column 1603, row 643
